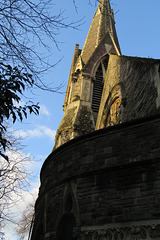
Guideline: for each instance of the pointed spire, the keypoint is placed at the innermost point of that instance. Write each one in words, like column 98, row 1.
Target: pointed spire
column 102, row 22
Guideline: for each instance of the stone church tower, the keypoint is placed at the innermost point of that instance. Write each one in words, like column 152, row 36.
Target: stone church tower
column 87, row 76
column 102, row 179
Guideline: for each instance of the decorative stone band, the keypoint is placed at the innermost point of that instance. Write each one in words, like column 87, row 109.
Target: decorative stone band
column 150, row 231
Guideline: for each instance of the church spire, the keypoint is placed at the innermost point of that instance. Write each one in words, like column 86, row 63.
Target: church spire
column 87, row 75
column 102, row 22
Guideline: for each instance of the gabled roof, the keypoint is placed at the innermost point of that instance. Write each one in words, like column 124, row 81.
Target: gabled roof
column 102, row 22
column 106, row 46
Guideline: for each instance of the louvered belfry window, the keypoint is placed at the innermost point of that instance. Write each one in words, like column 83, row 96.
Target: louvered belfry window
column 98, row 83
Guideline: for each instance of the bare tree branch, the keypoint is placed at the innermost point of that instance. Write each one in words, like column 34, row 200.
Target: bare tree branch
column 14, row 177
column 25, row 27
column 25, row 222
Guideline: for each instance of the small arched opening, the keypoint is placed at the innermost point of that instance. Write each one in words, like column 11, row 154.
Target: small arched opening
column 66, row 227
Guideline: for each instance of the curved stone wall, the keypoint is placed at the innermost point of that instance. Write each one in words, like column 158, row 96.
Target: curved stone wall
column 109, row 179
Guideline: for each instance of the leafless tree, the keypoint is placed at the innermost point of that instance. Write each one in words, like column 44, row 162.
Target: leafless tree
column 25, row 222
column 14, row 178
column 25, row 27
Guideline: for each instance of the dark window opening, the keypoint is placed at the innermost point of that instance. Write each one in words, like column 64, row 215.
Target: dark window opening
column 97, row 89
column 65, row 227
column 69, row 203
column 98, row 84
column 105, row 62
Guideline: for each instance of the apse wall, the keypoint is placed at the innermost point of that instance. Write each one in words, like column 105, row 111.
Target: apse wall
column 107, row 180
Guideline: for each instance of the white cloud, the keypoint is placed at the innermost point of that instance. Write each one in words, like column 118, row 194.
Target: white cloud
column 20, row 133
column 22, row 198
column 42, row 131
column 27, row 198
column 39, row 131
column 33, row 167
column 21, row 103
column 44, row 110
column 48, row 132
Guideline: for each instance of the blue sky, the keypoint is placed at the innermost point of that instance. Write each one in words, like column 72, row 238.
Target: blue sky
column 137, row 24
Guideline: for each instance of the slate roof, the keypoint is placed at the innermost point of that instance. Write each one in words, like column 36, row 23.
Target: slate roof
column 102, row 21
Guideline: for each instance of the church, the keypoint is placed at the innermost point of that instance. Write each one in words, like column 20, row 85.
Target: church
column 102, row 179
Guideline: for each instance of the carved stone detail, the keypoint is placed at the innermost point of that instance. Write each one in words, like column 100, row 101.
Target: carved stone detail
column 124, row 233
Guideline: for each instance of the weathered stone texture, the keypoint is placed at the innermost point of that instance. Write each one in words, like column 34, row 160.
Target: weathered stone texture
column 84, row 123
column 105, row 184
column 137, row 85
column 65, row 129
column 99, row 53
column 115, row 179
column 101, row 40
column 102, row 22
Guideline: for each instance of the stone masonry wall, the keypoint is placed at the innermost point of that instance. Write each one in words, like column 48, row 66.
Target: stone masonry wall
column 140, row 81
column 109, row 177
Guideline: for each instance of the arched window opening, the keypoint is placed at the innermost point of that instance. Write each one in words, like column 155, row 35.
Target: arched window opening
column 65, row 227
column 99, row 78
column 114, row 107
column 105, row 62
column 114, row 114
column 97, row 89
column 68, row 203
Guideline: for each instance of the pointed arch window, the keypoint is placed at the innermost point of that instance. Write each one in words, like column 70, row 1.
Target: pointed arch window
column 114, row 114
column 66, row 227
column 99, row 78
column 114, row 106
